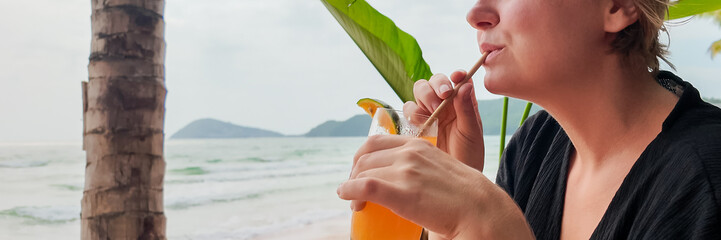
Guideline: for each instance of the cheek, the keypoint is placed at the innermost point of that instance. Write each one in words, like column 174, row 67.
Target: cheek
column 549, row 42
column 545, row 43
column 519, row 59
column 529, row 36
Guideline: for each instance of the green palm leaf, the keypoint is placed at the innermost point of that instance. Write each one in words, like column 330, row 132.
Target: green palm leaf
column 393, row 52
column 687, row 8
column 715, row 48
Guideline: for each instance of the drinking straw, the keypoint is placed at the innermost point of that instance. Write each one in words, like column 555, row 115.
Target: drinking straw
column 446, row 101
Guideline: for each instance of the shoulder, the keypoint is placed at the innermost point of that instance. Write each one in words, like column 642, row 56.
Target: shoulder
column 690, row 150
column 696, row 143
column 691, row 137
column 678, row 188
column 674, row 190
column 679, row 179
column 697, row 128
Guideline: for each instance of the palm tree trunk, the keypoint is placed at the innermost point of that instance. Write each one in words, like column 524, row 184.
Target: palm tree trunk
column 123, row 114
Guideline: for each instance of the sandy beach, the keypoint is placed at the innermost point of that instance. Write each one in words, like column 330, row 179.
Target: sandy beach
column 330, row 229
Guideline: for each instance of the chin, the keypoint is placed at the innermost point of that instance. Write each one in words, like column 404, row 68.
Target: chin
column 509, row 86
column 494, row 84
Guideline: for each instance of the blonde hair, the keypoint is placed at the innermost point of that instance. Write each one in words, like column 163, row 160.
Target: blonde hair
column 639, row 42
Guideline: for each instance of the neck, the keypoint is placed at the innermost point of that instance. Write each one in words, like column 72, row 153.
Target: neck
column 613, row 114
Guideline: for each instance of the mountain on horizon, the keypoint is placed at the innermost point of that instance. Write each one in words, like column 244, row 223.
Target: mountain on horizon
column 357, row 125
column 211, row 128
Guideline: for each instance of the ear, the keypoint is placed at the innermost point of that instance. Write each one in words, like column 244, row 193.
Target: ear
column 619, row 14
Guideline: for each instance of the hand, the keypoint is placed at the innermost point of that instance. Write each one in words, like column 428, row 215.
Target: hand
column 427, row 186
column 414, row 179
column 460, row 132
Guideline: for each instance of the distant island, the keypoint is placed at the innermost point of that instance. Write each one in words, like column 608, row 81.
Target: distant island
column 211, row 128
column 355, row 126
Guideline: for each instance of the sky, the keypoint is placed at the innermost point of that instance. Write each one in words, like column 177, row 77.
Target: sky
column 281, row 65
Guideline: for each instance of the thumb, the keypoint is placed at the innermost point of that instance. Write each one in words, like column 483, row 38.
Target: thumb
column 468, row 119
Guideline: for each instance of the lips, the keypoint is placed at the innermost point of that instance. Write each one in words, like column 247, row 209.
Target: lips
column 486, row 47
column 494, row 49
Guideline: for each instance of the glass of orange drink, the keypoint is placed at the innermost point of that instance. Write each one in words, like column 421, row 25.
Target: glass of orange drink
column 375, row 221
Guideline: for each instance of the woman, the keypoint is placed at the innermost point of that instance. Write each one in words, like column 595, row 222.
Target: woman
column 622, row 150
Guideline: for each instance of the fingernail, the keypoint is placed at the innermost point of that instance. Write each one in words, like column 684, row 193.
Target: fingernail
column 444, row 89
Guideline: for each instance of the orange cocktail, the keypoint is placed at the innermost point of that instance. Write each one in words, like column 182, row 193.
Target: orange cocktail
column 376, row 222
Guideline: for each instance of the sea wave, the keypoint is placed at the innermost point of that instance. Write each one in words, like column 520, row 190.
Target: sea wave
column 214, row 160
column 259, row 175
column 305, row 152
column 203, row 169
column 256, row 159
column 188, row 201
column 247, row 164
column 22, row 164
column 262, row 159
column 189, row 171
column 44, row 215
column 70, row 187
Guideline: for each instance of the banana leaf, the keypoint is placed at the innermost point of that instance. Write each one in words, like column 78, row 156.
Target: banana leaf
column 393, row 52
column 687, row 8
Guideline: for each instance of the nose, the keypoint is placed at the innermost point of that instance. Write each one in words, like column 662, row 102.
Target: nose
column 483, row 15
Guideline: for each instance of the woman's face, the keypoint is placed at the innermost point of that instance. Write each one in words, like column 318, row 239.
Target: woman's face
column 538, row 45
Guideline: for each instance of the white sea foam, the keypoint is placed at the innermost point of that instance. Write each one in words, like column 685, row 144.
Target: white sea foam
column 44, row 214
column 19, row 163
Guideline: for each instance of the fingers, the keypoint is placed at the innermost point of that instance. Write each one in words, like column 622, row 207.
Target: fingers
column 371, row 155
column 466, row 107
column 381, row 168
column 414, row 113
column 383, row 173
column 458, row 76
column 371, row 160
column 430, row 93
column 357, row 205
column 412, row 107
column 469, row 127
column 370, row 188
column 379, row 142
column 441, row 85
column 426, row 97
column 363, row 188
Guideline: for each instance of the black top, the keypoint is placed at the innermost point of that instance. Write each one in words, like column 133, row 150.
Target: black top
column 673, row 191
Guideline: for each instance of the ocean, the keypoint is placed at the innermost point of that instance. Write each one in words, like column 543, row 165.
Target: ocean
column 214, row 189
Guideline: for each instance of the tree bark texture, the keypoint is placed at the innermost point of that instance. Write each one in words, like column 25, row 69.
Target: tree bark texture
column 123, row 114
